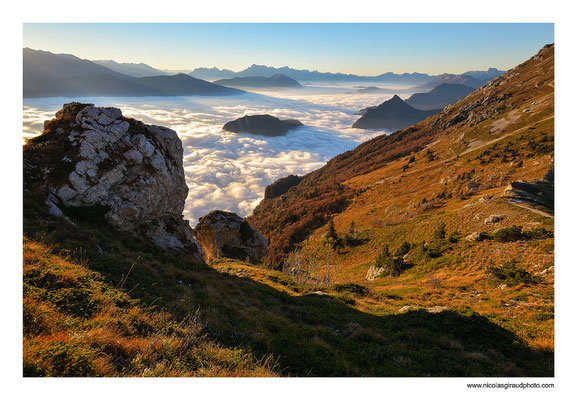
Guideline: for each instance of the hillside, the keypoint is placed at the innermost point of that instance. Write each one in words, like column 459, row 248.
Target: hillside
column 450, row 212
column 427, row 252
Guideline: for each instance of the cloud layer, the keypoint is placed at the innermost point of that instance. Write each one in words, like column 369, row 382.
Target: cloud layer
column 229, row 171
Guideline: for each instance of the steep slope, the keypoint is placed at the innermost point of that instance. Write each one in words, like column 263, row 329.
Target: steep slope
column 455, row 211
column 439, row 97
column 484, row 116
column 391, row 115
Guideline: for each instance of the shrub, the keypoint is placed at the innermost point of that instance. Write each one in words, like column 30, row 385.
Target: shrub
column 392, row 266
column 351, row 288
column 511, row 234
column 454, row 237
column 516, row 233
column 332, row 237
column 440, row 232
column 511, row 274
column 403, row 249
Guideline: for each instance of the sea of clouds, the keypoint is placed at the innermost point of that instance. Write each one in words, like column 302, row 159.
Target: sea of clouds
column 230, row 171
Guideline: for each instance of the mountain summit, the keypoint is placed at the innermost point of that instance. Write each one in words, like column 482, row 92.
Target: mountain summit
column 391, row 115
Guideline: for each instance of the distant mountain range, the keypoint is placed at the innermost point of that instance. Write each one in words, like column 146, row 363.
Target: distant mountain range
column 391, row 115
column 212, row 74
column 259, row 82
column 476, row 78
column 440, row 96
column 136, row 70
column 485, row 76
column 47, row 75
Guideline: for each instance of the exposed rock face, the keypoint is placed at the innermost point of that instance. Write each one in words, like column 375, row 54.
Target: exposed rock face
column 265, row 125
column 130, row 171
column 225, row 234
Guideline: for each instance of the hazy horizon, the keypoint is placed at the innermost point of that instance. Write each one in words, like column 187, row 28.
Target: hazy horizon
column 348, row 48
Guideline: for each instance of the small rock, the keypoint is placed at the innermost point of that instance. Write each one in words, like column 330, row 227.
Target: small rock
column 475, row 237
column 437, row 309
column 133, row 156
column 472, row 186
column 317, row 293
column 493, row 219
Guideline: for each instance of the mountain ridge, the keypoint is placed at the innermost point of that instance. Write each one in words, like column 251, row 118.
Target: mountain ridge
column 48, row 75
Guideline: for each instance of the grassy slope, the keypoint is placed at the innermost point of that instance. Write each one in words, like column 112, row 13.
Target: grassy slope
column 394, row 204
column 261, row 312
column 75, row 324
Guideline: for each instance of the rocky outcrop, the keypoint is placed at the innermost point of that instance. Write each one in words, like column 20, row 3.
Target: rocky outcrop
column 225, row 234
column 373, row 273
column 265, row 125
column 93, row 160
column 538, row 193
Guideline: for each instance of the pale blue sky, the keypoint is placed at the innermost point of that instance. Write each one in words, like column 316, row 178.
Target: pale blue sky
column 366, row 49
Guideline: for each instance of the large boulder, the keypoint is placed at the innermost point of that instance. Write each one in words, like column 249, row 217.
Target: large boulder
column 93, row 158
column 225, row 234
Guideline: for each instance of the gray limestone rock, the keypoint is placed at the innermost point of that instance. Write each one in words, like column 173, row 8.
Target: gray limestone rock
column 132, row 169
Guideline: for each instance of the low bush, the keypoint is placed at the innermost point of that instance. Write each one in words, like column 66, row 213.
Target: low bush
column 351, row 288
column 516, row 233
column 392, row 266
column 511, row 274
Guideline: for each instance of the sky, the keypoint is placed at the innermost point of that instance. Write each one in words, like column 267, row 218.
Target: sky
column 361, row 48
